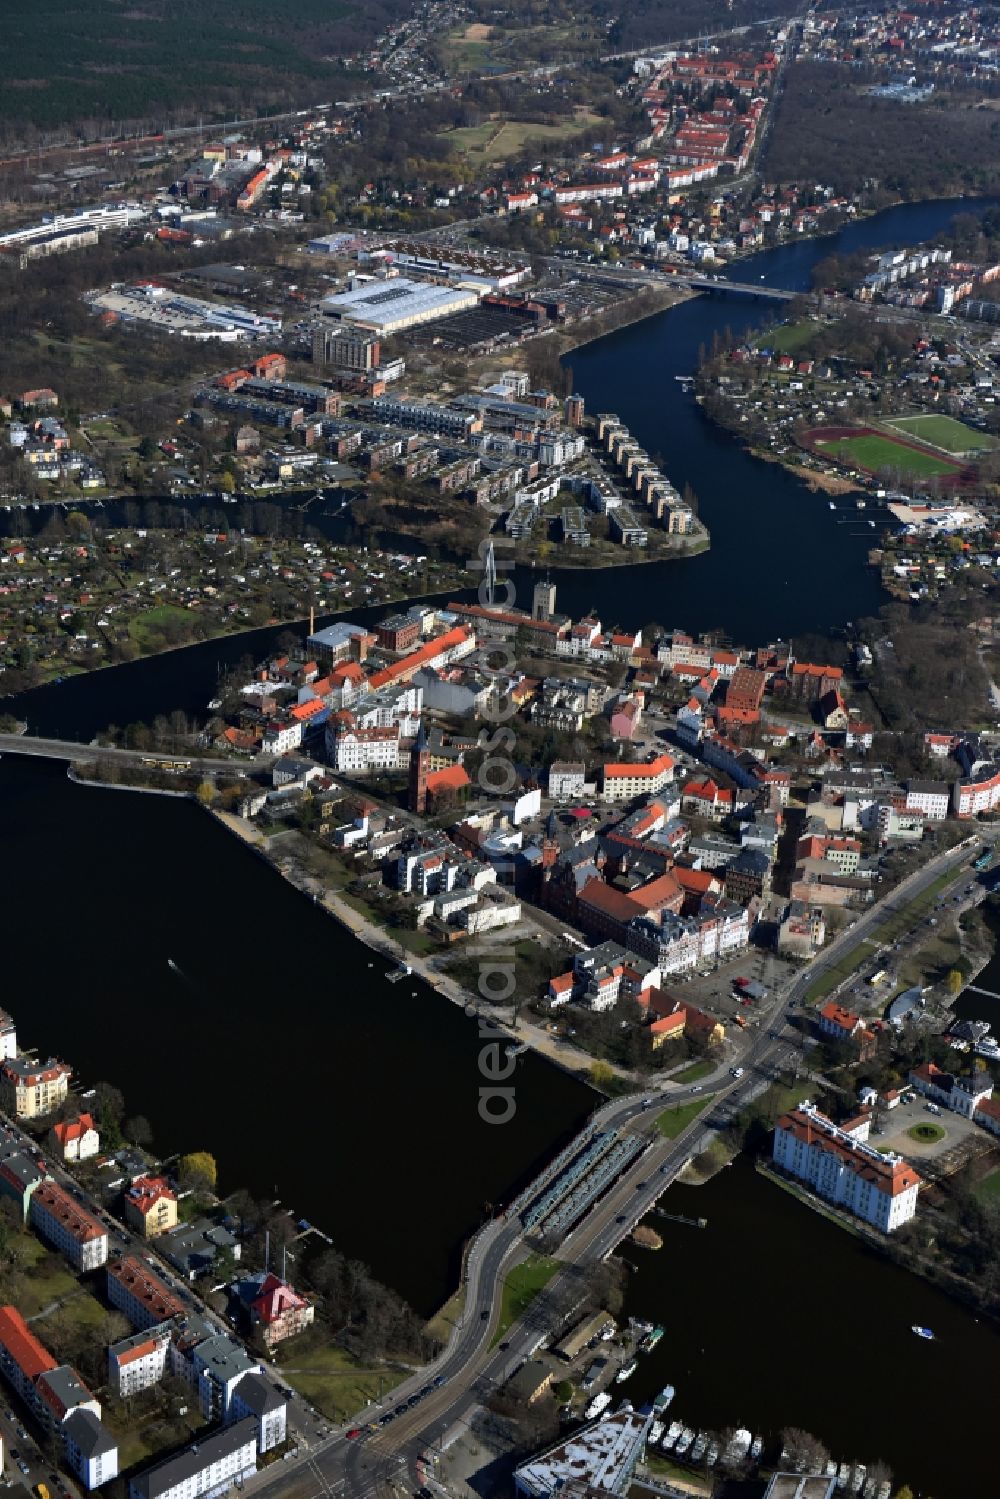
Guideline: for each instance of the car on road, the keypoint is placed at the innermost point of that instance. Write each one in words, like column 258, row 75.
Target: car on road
column 352, row 1432
column 24, row 1467
column 438, row 1382
column 696, row 1088
column 736, row 1071
column 399, row 1410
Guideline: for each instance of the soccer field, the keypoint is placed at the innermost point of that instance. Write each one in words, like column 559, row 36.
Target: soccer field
column 874, row 453
column 943, row 432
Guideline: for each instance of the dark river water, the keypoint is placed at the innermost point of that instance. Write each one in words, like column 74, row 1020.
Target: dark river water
column 278, row 1047
column 277, row 1044
column 776, row 1317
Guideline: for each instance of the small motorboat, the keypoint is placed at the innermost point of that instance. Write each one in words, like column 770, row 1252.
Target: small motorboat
column 923, row 1332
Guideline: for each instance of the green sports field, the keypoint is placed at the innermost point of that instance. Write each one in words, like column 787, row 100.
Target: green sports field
column 873, row 453
column 943, row 432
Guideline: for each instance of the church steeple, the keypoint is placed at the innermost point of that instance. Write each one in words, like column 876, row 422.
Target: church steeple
column 420, row 766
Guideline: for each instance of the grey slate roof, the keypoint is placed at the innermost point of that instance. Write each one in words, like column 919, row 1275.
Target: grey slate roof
column 194, row 1459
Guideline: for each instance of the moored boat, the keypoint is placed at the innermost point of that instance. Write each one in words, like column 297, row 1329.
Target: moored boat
column 597, row 1405
column 626, row 1371
column 651, row 1339
column 673, row 1432
column 663, row 1399
column 656, row 1431
column 922, row 1332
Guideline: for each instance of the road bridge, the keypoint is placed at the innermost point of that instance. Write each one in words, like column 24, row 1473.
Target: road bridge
column 75, row 752
column 723, row 287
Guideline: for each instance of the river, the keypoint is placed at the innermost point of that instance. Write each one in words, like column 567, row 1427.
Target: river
column 277, row 1047
column 776, row 1317
column 276, row 1044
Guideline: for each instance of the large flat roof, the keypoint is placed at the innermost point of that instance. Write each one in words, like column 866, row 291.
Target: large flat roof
column 387, row 302
column 603, row 1455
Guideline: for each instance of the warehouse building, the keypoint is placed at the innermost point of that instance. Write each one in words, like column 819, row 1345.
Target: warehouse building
column 388, row 307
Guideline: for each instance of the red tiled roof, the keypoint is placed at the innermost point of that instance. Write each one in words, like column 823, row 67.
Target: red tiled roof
column 891, row 1177
column 16, row 1337
column 452, row 778
column 80, row 1225
column 72, row 1129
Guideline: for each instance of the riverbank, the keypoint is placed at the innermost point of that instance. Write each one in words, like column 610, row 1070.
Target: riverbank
column 570, row 1059
column 673, row 296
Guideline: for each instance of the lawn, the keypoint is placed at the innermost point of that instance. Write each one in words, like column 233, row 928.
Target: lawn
column 926, row 1134
column 512, row 137
column 47, row 1277
column 673, row 1122
column 665, row 1470
column 145, row 628
column 443, row 1321
column 520, row 1289
column 332, row 1381
column 874, row 453
column 788, row 338
column 943, row 432
column 988, row 1190
column 844, row 969
column 694, row 1073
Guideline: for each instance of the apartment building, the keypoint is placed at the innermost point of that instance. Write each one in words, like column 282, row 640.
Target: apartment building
column 137, row 1362
column 58, row 1399
column 256, row 1399
column 144, row 1298
column 838, row 1164
column 68, row 1227
column 210, row 1466
column 8, row 1037
column 150, row 1206
column 28, row 1089
column 216, row 1366
column 622, row 782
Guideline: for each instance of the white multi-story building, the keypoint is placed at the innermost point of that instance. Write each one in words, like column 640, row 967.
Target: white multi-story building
column 566, row 780
column 140, row 1361
column 256, row 1399
column 360, row 751
column 977, row 793
column 932, row 798
column 90, row 1449
column 210, row 1466
column 623, row 781
column 61, row 1220
column 838, row 1165
column 8, row 1037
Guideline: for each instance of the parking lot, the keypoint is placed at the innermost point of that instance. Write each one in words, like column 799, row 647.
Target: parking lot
column 896, row 1124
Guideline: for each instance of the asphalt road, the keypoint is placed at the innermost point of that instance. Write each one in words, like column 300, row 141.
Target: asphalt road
column 69, row 749
column 382, row 1461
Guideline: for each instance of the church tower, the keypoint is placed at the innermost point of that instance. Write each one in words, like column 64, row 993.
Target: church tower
column 420, row 767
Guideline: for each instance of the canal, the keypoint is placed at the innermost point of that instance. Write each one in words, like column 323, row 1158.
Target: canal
column 276, row 1043
column 776, row 1317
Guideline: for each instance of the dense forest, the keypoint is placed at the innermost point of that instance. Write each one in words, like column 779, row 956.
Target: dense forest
column 105, row 62
column 829, row 129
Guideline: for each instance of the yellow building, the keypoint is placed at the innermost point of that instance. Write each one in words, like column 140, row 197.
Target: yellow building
column 150, row 1206
column 28, row 1089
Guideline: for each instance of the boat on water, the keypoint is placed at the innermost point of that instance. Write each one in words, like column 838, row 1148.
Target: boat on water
column 663, row 1399
column 858, row 1476
column 395, row 974
column 832, row 505
column 656, row 1431
column 626, row 1371
column 700, row 1446
column 673, row 1432
column 923, row 1332
column 684, row 1441
column 843, row 1474
column 516, row 1049
column 174, row 966
column 757, row 1447
column 651, row 1339
column 860, row 504
column 597, row 1405
column 712, row 1455
column 884, row 1489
